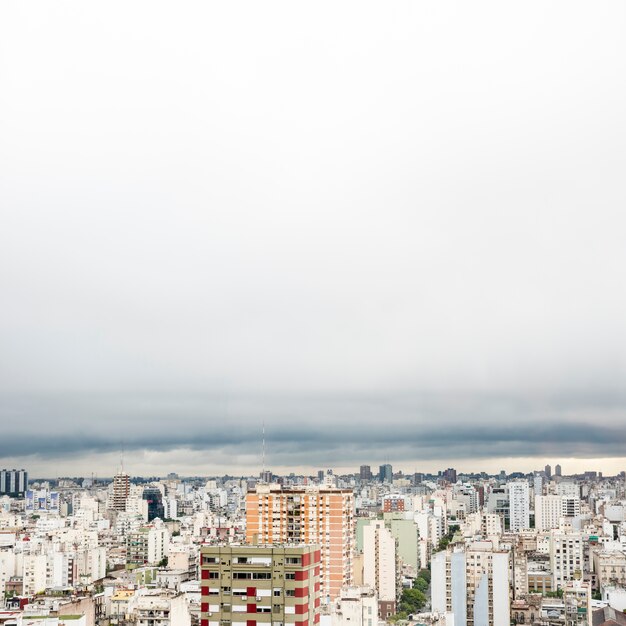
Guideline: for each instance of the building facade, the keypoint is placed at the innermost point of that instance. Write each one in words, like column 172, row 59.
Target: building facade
column 313, row 515
column 13, row 483
column 254, row 585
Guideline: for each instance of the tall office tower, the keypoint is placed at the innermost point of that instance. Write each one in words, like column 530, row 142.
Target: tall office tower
column 365, row 472
column 538, row 484
column 449, row 475
column 313, row 515
column 385, row 473
column 547, row 470
column 254, row 585
column 380, row 566
column 13, row 483
column 557, row 470
column 154, row 498
column 473, row 583
column 121, row 489
column 519, row 505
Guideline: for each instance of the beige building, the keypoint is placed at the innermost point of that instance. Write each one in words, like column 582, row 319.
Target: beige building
column 610, row 567
column 566, row 557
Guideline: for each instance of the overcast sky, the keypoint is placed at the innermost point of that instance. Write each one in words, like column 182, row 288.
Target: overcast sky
column 392, row 231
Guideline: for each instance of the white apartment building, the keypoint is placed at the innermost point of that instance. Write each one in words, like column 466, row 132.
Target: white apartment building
column 519, row 505
column 356, row 606
column 472, row 582
column 380, row 565
column 548, row 512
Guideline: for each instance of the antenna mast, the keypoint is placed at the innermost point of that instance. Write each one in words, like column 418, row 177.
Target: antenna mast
column 263, row 439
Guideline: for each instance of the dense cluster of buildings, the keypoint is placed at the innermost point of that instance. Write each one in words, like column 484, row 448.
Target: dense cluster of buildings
column 352, row 550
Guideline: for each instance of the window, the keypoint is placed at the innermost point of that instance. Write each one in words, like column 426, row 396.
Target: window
column 290, row 576
column 293, row 560
column 277, row 592
column 290, row 593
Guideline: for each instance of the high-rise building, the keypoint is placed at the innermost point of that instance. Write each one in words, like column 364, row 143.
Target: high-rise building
column 121, row 490
column 449, row 475
column 519, row 505
column 566, row 557
column 472, row 583
column 147, row 546
column 365, row 472
column 547, row 470
column 548, row 511
column 385, row 473
column 154, row 497
column 258, row 585
column 380, row 566
column 557, row 470
column 13, row 483
column 321, row 515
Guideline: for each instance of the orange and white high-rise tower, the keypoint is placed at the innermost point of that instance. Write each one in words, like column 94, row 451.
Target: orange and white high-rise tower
column 321, row 515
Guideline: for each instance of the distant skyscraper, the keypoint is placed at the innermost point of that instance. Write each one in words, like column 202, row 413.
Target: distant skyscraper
column 13, row 483
column 449, row 475
column 121, row 489
column 547, row 470
column 385, row 473
column 557, row 470
column 365, row 472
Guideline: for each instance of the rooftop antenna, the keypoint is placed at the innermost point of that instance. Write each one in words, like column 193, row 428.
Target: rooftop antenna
column 263, row 438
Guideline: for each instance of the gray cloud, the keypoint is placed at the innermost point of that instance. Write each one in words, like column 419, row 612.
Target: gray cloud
column 317, row 429
column 387, row 231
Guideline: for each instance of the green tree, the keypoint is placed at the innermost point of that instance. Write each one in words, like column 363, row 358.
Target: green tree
column 425, row 574
column 412, row 601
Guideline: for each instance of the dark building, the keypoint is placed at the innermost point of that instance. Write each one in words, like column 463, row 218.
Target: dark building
column 155, row 503
column 449, row 475
column 365, row 472
column 385, row 473
column 13, row 483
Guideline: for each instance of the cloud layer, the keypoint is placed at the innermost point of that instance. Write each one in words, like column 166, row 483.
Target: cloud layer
column 391, row 232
